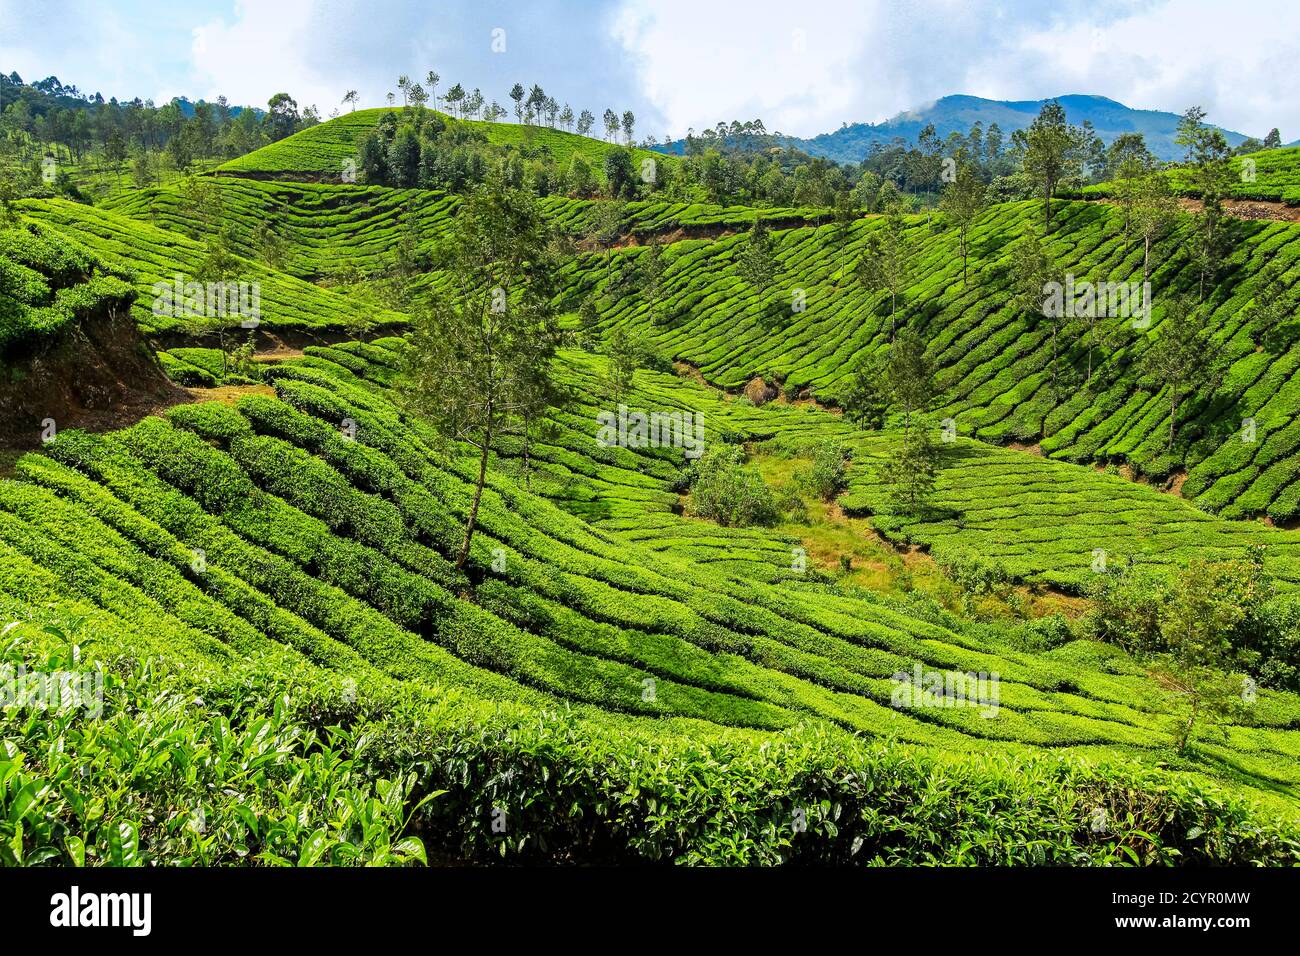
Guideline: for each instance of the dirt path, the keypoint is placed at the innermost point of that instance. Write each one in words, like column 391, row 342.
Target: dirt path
column 1251, row 209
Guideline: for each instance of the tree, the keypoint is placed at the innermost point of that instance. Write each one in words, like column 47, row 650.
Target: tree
column 218, row 265
column 605, row 226
column 651, row 267
column 886, row 263
column 270, row 246
column 911, row 377
column 1037, row 289
column 846, row 214
column 454, row 97
column 1274, row 301
column 629, row 124
column 756, row 261
column 1051, row 150
column 1208, row 155
column 585, row 122
column 611, row 124
column 432, row 79
column 484, row 341
column 865, row 399
column 622, row 359
column 908, row 473
column 517, row 94
column 350, row 99
column 1154, row 211
column 963, row 201
column 282, row 116
column 620, row 175
column 1273, row 140
column 404, row 84
column 1181, row 360
column 566, row 117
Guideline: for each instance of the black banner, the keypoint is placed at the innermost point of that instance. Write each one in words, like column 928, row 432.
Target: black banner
column 332, row 906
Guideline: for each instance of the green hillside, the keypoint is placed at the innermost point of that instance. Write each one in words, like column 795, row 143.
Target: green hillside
column 152, row 254
column 1272, row 175
column 997, row 362
column 323, row 149
column 335, row 552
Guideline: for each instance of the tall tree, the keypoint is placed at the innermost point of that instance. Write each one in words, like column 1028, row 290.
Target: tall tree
column 1208, row 156
column 482, row 343
column 756, row 261
column 963, row 201
column 1154, row 211
column 350, row 99
column 886, row 263
column 1050, row 150
column 1182, row 359
column 1034, row 273
column 911, row 377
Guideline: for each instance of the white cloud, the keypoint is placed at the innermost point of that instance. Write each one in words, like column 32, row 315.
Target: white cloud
column 698, row 63
column 262, row 50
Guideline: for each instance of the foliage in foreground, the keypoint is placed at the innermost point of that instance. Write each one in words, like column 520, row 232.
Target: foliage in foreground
column 273, row 765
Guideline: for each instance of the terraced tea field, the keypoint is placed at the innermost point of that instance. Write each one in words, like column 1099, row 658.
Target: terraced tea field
column 322, row 150
column 153, row 254
column 335, row 549
column 998, row 363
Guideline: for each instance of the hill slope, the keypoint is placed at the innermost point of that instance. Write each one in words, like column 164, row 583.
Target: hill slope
column 959, row 113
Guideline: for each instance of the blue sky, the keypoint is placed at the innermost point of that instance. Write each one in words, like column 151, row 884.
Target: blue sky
column 803, row 67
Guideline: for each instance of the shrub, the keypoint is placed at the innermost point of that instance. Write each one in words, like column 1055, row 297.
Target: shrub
column 725, row 491
column 824, row 478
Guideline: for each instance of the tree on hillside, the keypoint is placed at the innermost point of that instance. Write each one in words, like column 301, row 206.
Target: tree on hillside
column 622, row 359
column 404, row 84
column 1050, row 150
column 1208, row 157
column 585, row 122
column 1034, row 272
column 756, row 260
column 566, row 117
column 909, row 471
column 911, row 377
column 963, row 201
column 270, row 246
column 620, row 174
column 282, row 116
column 350, row 99
column 432, row 79
column 517, row 94
column 886, row 262
column 604, row 227
column 865, row 399
column 1154, row 211
column 651, row 267
column 846, row 213
column 611, row 124
column 1273, row 140
column 629, row 124
column 453, row 99
column 202, row 205
column 484, row 341
column 1182, row 359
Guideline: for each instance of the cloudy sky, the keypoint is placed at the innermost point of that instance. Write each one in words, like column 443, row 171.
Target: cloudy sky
column 803, row 67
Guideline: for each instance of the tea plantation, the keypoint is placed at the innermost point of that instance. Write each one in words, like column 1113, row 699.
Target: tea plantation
column 295, row 670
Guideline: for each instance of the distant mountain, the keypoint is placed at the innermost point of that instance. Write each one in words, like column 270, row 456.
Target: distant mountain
column 959, row 113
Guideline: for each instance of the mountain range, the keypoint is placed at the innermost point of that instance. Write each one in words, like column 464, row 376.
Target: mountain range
column 959, row 113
